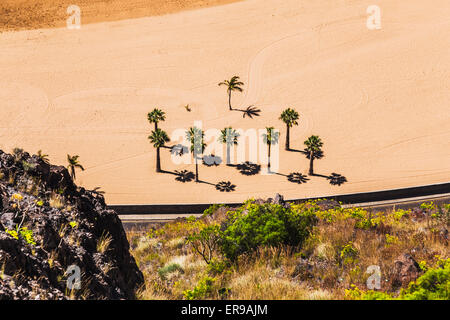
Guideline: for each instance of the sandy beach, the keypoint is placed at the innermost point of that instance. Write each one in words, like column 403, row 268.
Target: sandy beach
column 379, row 99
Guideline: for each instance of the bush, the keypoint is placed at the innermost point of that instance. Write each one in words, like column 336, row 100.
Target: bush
column 255, row 225
column 201, row 290
column 432, row 285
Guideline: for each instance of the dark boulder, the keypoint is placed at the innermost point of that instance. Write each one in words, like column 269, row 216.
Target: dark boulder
column 53, row 237
column 405, row 270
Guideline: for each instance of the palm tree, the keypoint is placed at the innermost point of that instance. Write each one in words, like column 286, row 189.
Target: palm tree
column 289, row 117
column 232, row 85
column 228, row 136
column 158, row 138
column 196, row 136
column 43, row 157
column 156, row 116
column 313, row 147
column 73, row 164
column 270, row 137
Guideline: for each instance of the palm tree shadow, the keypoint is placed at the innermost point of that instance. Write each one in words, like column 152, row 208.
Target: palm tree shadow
column 181, row 176
column 335, row 179
column 298, row 178
column 295, row 177
column 222, row 186
column 225, row 186
column 248, row 168
column 212, row 160
column 250, row 112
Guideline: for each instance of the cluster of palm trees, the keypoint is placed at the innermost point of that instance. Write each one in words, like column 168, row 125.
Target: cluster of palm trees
column 230, row 137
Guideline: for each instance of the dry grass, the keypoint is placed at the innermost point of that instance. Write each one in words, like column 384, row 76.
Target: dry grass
column 103, row 243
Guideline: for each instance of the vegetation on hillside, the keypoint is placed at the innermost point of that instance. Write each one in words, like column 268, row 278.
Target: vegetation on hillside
column 311, row 250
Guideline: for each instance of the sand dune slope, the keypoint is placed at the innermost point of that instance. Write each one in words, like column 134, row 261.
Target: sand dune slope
column 379, row 99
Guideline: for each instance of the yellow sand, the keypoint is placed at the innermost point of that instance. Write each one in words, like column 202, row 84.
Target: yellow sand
column 379, row 99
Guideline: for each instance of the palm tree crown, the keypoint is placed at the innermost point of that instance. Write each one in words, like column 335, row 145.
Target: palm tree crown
column 196, row 136
column 159, row 138
column 228, row 136
column 156, row 116
column 271, row 136
column 43, row 157
column 290, row 117
column 313, row 144
column 73, row 164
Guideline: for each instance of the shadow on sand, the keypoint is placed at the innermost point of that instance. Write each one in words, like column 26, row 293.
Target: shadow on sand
column 335, row 179
column 247, row 168
column 295, row 177
column 250, row 112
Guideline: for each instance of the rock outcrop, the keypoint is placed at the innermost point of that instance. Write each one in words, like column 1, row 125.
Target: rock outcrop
column 49, row 228
column 406, row 270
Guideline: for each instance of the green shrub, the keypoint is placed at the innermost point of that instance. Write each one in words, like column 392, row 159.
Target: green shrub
column 255, row 225
column 201, row 290
column 432, row 285
column 217, row 266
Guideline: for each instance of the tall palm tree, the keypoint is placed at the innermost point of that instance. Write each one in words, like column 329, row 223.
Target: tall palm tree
column 313, row 146
column 156, row 116
column 270, row 137
column 228, row 136
column 158, row 138
column 196, row 136
column 73, row 164
column 232, row 85
column 289, row 117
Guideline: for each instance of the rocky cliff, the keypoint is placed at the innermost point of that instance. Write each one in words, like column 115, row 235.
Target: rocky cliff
column 50, row 230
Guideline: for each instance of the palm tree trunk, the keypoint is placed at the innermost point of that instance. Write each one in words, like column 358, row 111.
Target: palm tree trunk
column 196, row 169
column 156, row 126
column 72, row 172
column 229, row 100
column 311, row 163
column 158, row 161
column 268, row 159
column 287, row 137
column 228, row 154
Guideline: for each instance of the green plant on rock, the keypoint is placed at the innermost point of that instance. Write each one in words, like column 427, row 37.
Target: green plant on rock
column 24, row 233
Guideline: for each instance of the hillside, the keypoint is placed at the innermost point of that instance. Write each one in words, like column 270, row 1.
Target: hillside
column 48, row 224
column 313, row 250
